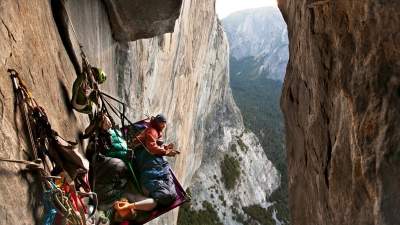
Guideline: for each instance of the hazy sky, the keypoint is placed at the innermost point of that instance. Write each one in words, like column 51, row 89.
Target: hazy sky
column 225, row 7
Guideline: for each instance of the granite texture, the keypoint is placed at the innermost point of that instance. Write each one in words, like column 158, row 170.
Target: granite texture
column 341, row 105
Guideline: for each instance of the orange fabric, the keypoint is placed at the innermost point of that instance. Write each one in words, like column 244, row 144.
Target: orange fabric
column 149, row 138
column 124, row 209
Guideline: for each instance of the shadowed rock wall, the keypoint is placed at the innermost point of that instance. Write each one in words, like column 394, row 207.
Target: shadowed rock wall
column 341, row 104
column 183, row 74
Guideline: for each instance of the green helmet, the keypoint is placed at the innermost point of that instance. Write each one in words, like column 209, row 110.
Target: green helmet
column 99, row 75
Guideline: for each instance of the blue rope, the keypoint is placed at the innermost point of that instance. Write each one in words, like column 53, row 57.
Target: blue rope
column 49, row 208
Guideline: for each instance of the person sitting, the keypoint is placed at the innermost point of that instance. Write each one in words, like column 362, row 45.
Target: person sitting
column 154, row 171
column 108, row 155
column 112, row 168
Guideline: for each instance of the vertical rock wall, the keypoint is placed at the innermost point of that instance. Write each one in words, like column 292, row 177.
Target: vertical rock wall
column 182, row 74
column 30, row 43
column 341, row 104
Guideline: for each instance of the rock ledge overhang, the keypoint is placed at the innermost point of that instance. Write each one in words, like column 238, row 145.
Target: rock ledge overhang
column 137, row 19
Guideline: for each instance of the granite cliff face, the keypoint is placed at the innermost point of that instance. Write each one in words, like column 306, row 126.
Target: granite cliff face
column 258, row 39
column 183, row 74
column 256, row 83
column 341, row 105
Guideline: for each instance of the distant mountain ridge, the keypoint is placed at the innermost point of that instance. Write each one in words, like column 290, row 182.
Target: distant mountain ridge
column 259, row 36
column 258, row 58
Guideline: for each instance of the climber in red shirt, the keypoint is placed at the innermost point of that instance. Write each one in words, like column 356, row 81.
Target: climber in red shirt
column 154, row 171
column 152, row 138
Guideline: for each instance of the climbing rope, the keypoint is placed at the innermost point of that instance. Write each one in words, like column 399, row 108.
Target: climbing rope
column 73, row 29
column 48, row 202
column 115, row 110
column 67, row 202
column 86, row 67
column 26, row 102
column 23, row 96
column 64, row 204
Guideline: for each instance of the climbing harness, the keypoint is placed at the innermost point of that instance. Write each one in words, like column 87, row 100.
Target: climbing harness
column 85, row 90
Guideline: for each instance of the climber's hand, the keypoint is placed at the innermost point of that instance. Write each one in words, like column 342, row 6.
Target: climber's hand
column 172, row 153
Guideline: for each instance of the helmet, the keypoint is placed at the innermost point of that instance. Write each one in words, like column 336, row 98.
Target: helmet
column 99, row 75
column 160, row 118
